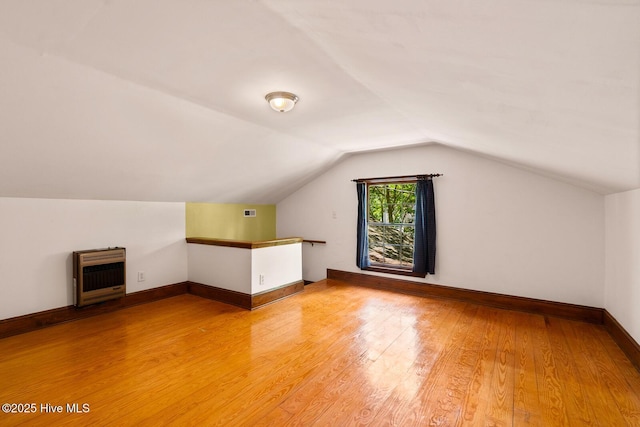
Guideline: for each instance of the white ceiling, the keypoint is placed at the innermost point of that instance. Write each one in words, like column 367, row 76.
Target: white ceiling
column 164, row 99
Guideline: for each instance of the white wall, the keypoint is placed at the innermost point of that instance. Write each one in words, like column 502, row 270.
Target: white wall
column 220, row 266
column 622, row 271
column 500, row 228
column 37, row 237
column 278, row 265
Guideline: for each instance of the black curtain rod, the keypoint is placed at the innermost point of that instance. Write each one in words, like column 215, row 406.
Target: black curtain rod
column 398, row 178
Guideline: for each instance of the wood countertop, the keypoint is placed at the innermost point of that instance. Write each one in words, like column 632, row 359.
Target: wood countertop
column 244, row 244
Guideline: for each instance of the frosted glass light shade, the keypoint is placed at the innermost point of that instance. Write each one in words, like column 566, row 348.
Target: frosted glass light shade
column 282, row 101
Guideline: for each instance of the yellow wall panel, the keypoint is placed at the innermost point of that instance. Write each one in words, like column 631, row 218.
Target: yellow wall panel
column 226, row 221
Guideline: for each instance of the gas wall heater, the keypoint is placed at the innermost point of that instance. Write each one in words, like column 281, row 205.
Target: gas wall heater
column 98, row 275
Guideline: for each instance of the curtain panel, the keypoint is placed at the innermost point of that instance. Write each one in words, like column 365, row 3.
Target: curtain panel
column 362, row 251
column 424, row 254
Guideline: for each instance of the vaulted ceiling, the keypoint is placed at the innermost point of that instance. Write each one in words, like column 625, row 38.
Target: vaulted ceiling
column 164, row 99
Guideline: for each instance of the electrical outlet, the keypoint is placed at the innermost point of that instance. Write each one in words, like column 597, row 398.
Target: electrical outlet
column 261, row 279
column 141, row 276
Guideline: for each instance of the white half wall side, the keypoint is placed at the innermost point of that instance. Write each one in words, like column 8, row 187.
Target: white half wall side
column 622, row 268
column 220, row 266
column 38, row 237
column 499, row 228
column 275, row 266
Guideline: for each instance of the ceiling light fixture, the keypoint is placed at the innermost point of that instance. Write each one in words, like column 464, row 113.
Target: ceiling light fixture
column 281, row 101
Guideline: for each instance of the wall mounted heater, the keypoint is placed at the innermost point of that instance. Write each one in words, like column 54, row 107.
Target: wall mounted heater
column 98, row 275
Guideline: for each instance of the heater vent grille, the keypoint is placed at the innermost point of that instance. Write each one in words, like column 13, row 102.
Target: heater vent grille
column 99, row 275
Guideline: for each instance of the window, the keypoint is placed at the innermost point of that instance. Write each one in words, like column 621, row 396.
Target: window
column 396, row 230
column 391, row 227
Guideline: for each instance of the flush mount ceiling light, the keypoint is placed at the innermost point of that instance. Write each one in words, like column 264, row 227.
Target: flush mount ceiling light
column 281, row 101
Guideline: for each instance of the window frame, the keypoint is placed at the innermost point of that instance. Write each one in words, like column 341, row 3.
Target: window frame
column 382, row 267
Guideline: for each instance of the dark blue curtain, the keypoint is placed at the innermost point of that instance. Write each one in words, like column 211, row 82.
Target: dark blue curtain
column 362, row 251
column 424, row 254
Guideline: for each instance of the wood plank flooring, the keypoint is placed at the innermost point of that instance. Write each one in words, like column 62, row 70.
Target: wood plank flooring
column 333, row 355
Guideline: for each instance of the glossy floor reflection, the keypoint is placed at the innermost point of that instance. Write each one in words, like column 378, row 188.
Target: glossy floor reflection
column 333, row 355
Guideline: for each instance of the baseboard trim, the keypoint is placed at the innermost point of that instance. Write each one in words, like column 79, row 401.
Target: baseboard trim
column 242, row 300
column 530, row 305
column 595, row 315
column 42, row 319
column 273, row 295
column 625, row 341
column 226, row 296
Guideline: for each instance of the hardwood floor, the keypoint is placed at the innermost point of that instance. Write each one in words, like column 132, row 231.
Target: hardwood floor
column 332, row 355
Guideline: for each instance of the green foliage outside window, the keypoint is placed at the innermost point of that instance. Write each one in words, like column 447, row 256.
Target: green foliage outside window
column 391, row 224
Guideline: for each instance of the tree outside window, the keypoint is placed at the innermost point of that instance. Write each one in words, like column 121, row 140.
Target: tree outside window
column 391, row 225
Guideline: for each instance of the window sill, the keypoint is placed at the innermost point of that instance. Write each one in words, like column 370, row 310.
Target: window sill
column 390, row 270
